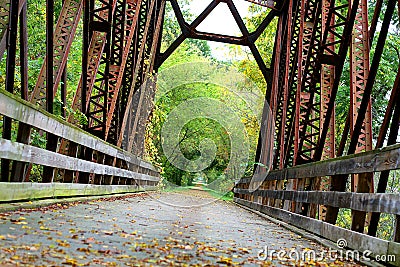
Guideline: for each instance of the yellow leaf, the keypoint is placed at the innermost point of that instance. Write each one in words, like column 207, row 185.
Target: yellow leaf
column 124, row 256
column 20, row 223
column 83, row 249
column 70, row 262
column 107, row 232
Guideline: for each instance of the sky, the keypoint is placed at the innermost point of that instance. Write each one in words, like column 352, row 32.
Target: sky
column 219, row 21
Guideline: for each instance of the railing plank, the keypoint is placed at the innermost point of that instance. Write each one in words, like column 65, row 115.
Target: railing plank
column 355, row 240
column 378, row 160
column 26, row 153
column 31, row 191
column 368, row 202
column 23, row 111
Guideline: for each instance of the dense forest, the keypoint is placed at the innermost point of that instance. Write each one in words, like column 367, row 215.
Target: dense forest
column 239, row 60
column 198, row 129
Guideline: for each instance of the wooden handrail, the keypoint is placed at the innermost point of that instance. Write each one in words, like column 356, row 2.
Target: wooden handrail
column 23, row 111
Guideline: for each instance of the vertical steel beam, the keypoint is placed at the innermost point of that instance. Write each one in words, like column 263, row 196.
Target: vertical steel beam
column 112, row 124
column 372, row 30
column 138, row 106
column 23, row 51
column 292, row 89
column 341, row 26
column 97, row 105
column 52, row 140
column 278, row 97
column 64, row 86
column 17, row 175
column 135, row 82
column 301, row 57
column 327, row 78
column 285, row 88
column 10, row 73
column 101, row 13
column 85, row 51
column 334, row 52
column 339, row 182
column 359, row 69
column 63, row 35
column 138, row 136
column 292, row 73
column 309, row 84
column 393, row 113
column 265, row 144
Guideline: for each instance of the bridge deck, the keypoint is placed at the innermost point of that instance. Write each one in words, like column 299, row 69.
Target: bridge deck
column 155, row 228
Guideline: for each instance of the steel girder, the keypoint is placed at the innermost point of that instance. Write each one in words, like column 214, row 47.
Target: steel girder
column 63, row 36
column 135, row 74
column 327, row 78
column 101, row 18
column 111, row 39
column 118, row 69
column 307, row 73
column 316, row 43
column 359, row 70
column 339, row 182
column 10, row 73
column 317, row 38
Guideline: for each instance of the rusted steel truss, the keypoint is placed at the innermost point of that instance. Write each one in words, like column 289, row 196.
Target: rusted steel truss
column 318, row 36
column 113, row 33
column 64, row 34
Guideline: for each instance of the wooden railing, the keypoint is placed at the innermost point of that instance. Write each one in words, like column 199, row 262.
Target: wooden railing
column 136, row 175
column 280, row 203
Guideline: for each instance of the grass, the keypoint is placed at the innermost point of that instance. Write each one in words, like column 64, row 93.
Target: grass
column 228, row 196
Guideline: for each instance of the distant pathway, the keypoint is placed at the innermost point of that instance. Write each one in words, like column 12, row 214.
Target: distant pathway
column 141, row 230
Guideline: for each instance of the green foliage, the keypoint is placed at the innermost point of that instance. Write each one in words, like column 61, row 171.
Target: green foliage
column 198, row 129
column 195, row 131
column 265, row 44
